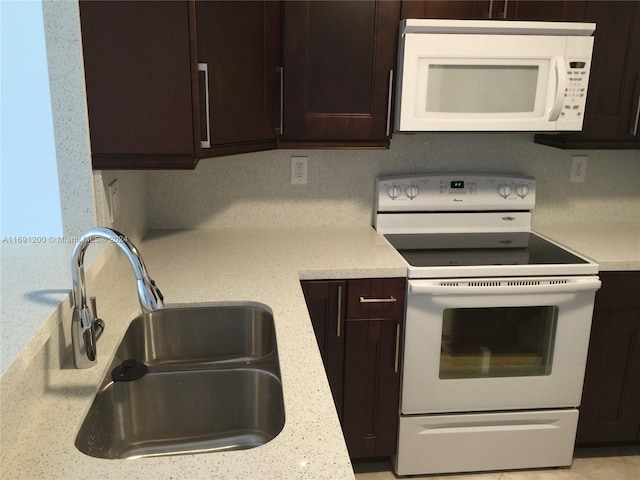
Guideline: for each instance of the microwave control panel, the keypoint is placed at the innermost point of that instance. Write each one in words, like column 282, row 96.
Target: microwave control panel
column 455, row 192
column 575, row 92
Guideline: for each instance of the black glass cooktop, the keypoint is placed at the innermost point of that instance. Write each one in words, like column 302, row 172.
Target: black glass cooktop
column 451, row 249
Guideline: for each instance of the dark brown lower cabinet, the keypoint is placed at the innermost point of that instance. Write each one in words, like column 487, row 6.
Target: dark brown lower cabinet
column 327, row 308
column 371, row 387
column 358, row 326
column 610, row 409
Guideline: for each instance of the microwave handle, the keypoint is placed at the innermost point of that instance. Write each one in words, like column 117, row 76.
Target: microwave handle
column 561, row 83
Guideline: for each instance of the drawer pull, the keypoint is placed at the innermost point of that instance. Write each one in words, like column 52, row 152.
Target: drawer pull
column 391, row 299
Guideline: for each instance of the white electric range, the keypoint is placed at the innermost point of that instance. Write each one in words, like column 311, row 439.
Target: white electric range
column 497, row 325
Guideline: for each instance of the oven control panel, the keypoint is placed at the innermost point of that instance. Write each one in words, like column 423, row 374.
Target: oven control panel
column 455, row 192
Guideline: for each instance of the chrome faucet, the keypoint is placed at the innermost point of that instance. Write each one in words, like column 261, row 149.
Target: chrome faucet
column 86, row 327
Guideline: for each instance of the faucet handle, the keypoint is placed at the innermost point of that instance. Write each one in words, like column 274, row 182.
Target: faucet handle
column 90, row 343
column 93, row 306
column 157, row 290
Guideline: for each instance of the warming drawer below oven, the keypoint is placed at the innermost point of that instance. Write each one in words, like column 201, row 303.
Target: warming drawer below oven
column 487, row 441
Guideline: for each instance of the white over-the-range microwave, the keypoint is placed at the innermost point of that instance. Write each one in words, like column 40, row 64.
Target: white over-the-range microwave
column 484, row 75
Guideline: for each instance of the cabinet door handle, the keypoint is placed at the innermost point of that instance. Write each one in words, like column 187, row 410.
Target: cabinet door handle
column 389, row 103
column 503, row 15
column 391, row 299
column 339, row 322
column 396, row 357
column 280, row 127
column 633, row 130
column 490, row 13
column 202, row 67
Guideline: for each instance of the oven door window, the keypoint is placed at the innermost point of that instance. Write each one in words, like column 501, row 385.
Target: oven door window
column 497, row 342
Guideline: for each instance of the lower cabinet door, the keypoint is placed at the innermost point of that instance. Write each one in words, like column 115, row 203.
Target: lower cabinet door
column 327, row 308
column 610, row 409
column 372, row 387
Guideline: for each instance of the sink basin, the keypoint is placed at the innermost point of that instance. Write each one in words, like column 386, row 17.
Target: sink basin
column 199, row 335
column 212, row 383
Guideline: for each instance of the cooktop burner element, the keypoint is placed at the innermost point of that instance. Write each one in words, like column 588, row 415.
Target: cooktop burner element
column 453, row 224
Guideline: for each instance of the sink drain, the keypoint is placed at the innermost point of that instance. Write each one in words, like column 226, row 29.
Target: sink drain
column 129, row 370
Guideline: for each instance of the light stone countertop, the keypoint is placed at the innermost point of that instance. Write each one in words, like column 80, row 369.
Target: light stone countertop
column 615, row 246
column 227, row 265
column 44, row 400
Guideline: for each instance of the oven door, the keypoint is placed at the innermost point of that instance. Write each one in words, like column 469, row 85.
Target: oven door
column 496, row 344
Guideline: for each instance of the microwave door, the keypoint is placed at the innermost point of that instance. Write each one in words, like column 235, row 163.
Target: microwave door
column 485, row 83
column 485, row 93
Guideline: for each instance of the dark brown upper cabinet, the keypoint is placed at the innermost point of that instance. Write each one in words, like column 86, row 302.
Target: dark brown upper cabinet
column 170, row 82
column 541, row 10
column 338, row 62
column 163, row 77
column 613, row 99
column 138, row 83
column 238, row 45
column 546, row 10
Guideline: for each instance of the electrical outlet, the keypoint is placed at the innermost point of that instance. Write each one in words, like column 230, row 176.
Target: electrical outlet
column 299, row 170
column 578, row 168
column 114, row 201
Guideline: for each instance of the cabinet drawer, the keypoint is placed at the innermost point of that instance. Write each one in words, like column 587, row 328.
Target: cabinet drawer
column 619, row 290
column 376, row 298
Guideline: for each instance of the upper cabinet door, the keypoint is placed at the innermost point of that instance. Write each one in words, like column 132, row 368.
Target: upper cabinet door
column 546, row 10
column 613, row 99
column 446, row 9
column 612, row 115
column 533, row 10
column 338, row 62
column 238, row 42
column 138, row 81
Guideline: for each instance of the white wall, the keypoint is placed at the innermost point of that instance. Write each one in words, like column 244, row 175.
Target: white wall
column 69, row 107
column 30, row 194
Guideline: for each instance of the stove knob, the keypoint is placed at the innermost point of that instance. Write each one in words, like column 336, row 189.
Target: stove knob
column 504, row 190
column 522, row 190
column 412, row 192
column 393, row 192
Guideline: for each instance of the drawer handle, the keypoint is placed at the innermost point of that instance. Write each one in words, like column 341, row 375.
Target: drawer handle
column 391, row 299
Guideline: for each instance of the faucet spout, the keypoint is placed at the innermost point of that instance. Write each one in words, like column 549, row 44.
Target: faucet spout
column 85, row 326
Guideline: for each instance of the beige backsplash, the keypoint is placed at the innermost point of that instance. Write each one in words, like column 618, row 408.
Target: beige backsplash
column 255, row 190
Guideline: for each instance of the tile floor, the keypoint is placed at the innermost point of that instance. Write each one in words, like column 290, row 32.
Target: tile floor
column 612, row 463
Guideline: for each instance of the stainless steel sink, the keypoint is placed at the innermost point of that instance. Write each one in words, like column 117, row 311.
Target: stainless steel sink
column 199, row 335
column 211, row 383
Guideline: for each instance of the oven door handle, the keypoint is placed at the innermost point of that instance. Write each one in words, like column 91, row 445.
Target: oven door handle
column 503, row 287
